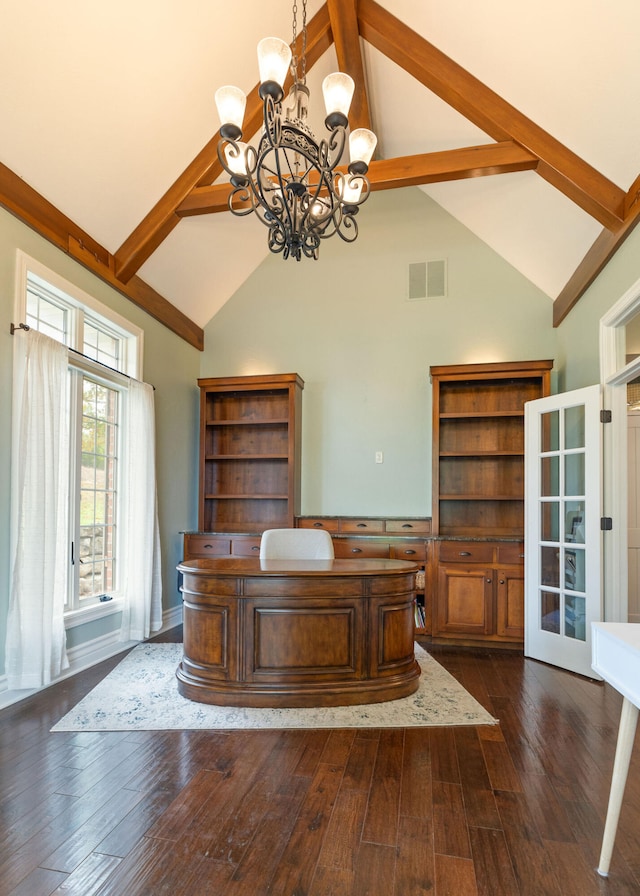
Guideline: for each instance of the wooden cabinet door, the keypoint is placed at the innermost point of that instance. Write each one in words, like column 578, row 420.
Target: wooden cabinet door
column 464, row 601
column 510, row 603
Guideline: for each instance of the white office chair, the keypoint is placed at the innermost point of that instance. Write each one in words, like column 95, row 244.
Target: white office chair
column 296, row 544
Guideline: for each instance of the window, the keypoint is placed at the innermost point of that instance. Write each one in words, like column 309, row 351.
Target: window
column 104, row 351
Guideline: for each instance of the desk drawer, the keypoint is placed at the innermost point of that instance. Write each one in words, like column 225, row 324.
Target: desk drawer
column 245, row 546
column 465, row 552
column 407, row 550
column 328, row 524
column 362, row 526
column 408, row 527
column 512, row 554
column 196, row 546
column 354, row 548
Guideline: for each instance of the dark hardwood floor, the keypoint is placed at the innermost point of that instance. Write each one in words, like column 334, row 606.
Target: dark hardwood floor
column 511, row 809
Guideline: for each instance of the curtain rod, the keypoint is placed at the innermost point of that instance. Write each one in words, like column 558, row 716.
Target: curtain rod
column 22, row 326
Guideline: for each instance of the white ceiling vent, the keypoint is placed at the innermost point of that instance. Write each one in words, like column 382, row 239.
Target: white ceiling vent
column 428, row 280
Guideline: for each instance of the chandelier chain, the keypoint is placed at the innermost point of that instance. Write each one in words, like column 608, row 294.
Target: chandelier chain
column 294, row 54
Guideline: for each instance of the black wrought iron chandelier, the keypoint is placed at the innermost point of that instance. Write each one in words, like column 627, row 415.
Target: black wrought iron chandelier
column 291, row 180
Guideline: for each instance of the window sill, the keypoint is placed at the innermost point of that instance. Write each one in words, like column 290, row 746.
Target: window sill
column 74, row 618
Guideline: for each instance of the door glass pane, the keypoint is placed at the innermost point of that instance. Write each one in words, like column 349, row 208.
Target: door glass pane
column 549, row 431
column 550, row 612
column 574, row 618
column 550, row 467
column 574, row 522
column 550, row 528
column 578, row 564
column 574, row 474
column 574, row 427
column 550, row 572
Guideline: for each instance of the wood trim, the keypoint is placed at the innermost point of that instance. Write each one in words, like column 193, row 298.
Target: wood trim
column 346, row 38
column 40, row 215
column 581, row 183
column 598, row 256
column 388, row 174
column 205, row 168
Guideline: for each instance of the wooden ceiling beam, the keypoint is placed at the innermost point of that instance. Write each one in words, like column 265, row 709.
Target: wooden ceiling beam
column 391, row 174
column 594, row 193
column 40, row 215
column 346, row 38
column 598, row 256
column 205, row 168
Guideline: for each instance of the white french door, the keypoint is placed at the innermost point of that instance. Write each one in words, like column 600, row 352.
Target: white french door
column 563, row 539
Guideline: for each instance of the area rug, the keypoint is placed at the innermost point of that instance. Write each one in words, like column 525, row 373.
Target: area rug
column 141, row 693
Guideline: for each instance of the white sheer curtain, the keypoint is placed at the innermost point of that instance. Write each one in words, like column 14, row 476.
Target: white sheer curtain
column 35, row 644
column 142, row 612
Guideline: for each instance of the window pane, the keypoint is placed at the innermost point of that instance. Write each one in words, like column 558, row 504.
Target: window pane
column 550, row 612
column 574, row 618
column 550, row 569
column 574, row 427
column 98, row 496
column 47, row 317
column 549, row 429
column 574, row 474
column 550, row 479
column 102, row 345
column 550, row 521
column 575, row 522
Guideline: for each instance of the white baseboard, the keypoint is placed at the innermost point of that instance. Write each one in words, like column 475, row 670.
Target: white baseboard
column 89, row 654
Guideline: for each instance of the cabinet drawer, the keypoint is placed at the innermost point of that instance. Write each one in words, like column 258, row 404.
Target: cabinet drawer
column 362, row 526
column 352, row 548
column 408, row 550
column 513, row 554
column 466, row 552
column 206, row 546
column 329, row 525
column 408, row 527
column 245, row 546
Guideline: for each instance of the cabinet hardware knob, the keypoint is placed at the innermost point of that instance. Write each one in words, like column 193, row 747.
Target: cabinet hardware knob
column 409, row 552
column 317, row 525
column 361, row 526
column 356, row 550
column 255, row 547
column 502, row 581
column 464, row 553
column 488, row 581
column 207, row 546
column 521, row 556
column 407, row 526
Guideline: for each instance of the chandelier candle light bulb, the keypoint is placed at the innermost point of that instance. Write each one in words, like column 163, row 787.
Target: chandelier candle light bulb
column 337, row 90
column 362, row 143
column 274, row 59
column 230, row 103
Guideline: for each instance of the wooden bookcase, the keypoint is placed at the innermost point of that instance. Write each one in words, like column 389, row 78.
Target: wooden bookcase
column 477, row 563
column 478, row 445
column 250, row 429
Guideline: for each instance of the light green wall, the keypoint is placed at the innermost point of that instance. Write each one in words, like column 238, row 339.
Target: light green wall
column 579, row 333
column 344, row 324
column 169, row 363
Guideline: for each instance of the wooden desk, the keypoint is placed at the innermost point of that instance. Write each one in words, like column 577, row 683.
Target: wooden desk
column 616, row 657
column 297, row 633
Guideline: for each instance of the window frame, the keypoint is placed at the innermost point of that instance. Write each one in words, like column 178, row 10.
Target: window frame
column 81, row 307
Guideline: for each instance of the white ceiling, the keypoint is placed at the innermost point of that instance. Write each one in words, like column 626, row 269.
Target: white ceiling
column 103, row 105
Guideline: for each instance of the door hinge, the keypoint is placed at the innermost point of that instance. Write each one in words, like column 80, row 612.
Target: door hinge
column 605, row 416
column 606, row 523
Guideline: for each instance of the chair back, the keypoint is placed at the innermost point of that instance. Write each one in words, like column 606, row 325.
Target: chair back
column 296, row 544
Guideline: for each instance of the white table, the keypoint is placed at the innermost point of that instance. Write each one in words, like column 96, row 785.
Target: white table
column 616, row 657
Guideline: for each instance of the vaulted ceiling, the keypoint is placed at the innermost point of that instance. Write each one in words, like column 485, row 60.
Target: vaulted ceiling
column 517, row 118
